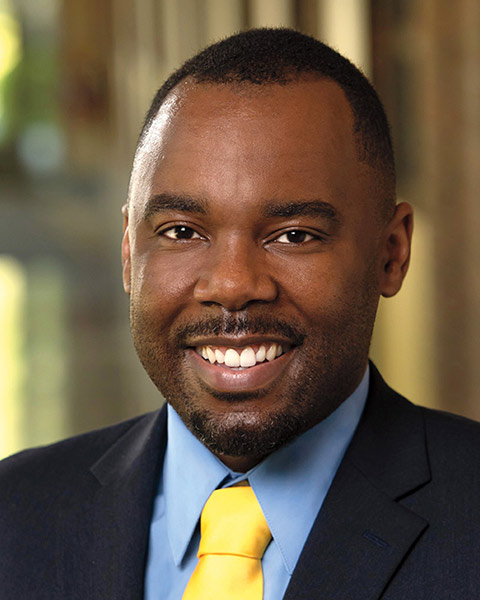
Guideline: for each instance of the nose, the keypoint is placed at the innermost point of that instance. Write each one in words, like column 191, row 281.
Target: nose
column 235, row 275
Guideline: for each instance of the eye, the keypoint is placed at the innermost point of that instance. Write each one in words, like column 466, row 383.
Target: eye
column 295, row 236
column 180, row 232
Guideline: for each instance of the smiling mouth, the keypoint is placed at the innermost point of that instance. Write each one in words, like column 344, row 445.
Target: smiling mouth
column 243, row 357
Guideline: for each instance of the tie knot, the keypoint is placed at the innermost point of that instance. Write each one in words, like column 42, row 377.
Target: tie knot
column 232, row 523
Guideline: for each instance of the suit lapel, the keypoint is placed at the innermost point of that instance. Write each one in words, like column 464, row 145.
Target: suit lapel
column 110, row 526
column 356, row 544
column 363, row 532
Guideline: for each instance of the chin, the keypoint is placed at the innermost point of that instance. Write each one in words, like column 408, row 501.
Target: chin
column 243, row 433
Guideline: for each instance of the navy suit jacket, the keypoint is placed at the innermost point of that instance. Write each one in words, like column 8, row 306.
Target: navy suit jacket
column 401, row 520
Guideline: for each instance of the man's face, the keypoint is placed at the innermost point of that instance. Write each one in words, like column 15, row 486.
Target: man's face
column 252, row 240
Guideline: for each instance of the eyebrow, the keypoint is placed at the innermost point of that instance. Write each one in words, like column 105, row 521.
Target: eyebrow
column 185, row 203
column 181, row 203
column 303, row 208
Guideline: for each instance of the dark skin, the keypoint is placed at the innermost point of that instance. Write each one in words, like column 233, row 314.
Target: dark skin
column 252, row 222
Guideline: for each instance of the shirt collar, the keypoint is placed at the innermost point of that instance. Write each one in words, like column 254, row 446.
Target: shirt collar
column 191, row 473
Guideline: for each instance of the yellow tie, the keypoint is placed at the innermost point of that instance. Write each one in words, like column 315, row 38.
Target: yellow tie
column 234, row 535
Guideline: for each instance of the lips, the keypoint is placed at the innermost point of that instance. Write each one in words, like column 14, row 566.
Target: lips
column 230, row 366
column 242, row 357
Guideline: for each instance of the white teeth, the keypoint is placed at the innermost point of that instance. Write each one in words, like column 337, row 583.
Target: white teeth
column 232, row 359
column 247, row 357
column 272, row 352
column 244, row 358
column 260, row 354
column 211, row 355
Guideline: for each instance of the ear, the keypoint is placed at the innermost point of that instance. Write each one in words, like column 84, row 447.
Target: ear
column 397, row 242
column 126, row 265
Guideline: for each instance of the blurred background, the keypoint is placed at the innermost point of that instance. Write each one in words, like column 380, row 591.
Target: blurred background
column 76, row 78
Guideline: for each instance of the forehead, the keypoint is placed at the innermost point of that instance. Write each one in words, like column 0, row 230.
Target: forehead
column 293, row 140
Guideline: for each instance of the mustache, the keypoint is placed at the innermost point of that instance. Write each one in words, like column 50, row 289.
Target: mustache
column 237, row 326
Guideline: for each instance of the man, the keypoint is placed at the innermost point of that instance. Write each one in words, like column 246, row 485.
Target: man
column 260, row 230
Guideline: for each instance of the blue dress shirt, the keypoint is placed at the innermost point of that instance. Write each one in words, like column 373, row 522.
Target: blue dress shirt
column 282, row 484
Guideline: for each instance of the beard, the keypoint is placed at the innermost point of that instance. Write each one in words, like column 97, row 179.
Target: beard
column 327, row 368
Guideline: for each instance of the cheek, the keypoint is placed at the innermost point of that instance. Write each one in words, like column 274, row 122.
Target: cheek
column 312, row 279
column 161, row 285
column 329, row 284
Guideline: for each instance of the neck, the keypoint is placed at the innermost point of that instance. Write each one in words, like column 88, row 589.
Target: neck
column 240, row 464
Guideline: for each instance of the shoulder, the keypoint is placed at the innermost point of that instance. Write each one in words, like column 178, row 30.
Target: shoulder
column 453, row 428
column 50, row 494
column 448, row 436
column 449, row 442
column 62, row 463
column 452, row 441
column 449, row 422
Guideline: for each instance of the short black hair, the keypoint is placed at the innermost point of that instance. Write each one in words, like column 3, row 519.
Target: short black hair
column 280, row 55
